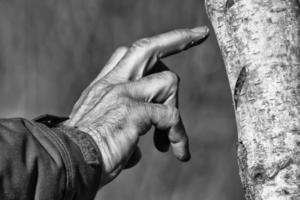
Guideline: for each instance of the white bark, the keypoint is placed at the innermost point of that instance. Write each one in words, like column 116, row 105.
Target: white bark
column 259, row 41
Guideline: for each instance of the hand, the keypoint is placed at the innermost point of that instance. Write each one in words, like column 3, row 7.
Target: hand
column 134, row 91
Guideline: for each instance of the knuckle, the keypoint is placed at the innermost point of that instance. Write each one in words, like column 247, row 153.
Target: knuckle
column 126, row 90
column 115, row 90
column 175, row 115
column 137, row 111
column 147, row 111
column 121, row 95
column 121, row 49
column 185, row 33
column 106, row 91
column 172, row 78
column 142, row 43
column 126, row 105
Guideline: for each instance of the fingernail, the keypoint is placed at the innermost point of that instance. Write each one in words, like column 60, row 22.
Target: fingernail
column 201, row 33
column 203, row 30
column 185, row 158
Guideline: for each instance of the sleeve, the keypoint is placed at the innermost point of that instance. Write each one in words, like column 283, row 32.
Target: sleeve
column 41, row 160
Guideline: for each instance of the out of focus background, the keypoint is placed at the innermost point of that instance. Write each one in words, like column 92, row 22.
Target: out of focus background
column 50, row 50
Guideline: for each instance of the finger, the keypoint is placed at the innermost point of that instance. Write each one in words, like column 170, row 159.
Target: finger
column 160, row 88
column 134, row 158
column 155, row 88
column 167, row 117
column 160, row 136
column 144, row 53
column 112, row 62
column 179, row 142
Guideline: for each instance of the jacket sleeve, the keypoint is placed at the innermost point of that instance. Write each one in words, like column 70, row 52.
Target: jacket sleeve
column 39, row 161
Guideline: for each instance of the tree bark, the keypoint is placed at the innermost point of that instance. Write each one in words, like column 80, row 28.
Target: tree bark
column 259, row 41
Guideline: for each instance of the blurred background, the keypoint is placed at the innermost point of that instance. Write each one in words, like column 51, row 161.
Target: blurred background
column 50, row 50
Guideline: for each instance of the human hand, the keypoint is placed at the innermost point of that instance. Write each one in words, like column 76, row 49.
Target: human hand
column 134, row 91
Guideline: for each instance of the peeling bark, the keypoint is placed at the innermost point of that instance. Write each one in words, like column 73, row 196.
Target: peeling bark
column 259, row 41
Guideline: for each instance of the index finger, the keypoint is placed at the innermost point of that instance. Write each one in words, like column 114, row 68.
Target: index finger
column 144, row 53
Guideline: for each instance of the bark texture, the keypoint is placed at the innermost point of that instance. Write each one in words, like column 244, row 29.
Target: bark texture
column 259, row 41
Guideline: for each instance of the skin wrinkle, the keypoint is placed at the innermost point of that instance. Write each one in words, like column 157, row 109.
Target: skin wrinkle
column 114, row 111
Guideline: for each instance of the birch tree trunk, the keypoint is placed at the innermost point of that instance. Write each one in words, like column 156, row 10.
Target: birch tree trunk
column 259, row 41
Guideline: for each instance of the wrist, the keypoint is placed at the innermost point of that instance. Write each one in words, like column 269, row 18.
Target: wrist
column 88, row 147
column 91, row 131
column 96, row 135
column 80, row 137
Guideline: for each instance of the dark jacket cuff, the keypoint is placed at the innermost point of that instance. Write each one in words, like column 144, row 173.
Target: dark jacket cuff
column 84, row 155
column 84, row 141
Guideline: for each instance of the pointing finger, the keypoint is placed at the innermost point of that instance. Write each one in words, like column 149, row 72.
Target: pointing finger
column 144, row 53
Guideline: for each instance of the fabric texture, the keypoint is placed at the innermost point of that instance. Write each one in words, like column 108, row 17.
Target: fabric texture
column 42, row 163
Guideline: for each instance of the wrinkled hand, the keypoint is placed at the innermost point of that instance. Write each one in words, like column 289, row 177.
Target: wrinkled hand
column 134, row 91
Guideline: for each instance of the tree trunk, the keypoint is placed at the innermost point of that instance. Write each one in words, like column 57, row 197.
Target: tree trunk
column 259, row 41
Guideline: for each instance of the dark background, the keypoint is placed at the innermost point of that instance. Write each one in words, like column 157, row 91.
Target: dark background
column 51, row 49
